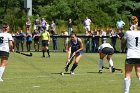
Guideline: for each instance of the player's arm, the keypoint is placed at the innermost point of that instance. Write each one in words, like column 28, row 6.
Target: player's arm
column 11, row 46
column 10, row 42
column 49, row 38
column 81, row 45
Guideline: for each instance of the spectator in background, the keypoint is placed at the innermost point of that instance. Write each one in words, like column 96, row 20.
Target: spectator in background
column 47, row 27
column 28, row 41
column 87, row 23
column 54, row 40
column 39, row 25
column 97, row 38
column 65, row 33
column 70, row 23
column 37, row 22
column 36, row 37
column 17, row 40
column 113, row 37
column 53, row 27
column 120, row 36
column 28, row 24
column 87, row 42
column 120, row 24
column 102, row 34
column 22, row 37
column 43, row 24
column 93, row 46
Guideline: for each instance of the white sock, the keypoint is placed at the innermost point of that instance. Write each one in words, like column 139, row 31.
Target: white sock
column 1, row 71
column 127, row 82
column 110, row 62
column 139, row 79
column 100, row 64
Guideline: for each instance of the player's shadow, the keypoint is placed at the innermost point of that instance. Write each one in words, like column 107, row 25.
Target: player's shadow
column 59, row 73
column 96, row 72
column 92, row 72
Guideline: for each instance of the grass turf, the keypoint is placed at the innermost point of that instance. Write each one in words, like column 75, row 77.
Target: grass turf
column 42, row 75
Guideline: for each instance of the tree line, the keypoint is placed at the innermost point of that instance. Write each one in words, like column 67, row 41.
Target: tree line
column 103, row 13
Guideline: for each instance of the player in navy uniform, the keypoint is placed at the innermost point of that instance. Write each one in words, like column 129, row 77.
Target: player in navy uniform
column 74, row 48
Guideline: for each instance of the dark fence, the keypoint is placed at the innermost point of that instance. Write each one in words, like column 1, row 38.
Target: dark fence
column 58, row 43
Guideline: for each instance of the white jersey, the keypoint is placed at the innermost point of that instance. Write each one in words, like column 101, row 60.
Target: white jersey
column 133, row 44
column 104, row 45
column 4, row 41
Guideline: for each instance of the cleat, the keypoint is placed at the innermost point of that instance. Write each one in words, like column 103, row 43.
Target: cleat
column 49, row 56
column 112, row 69
column 72, row 73
column 43, row 56
column 100, row 71
column 1, row 80
column 62, row 73
column 66, row 69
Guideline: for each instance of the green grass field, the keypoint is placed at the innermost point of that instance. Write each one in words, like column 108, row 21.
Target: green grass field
column 42, row 75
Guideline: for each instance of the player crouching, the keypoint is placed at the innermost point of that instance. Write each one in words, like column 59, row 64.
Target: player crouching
column 106, row 50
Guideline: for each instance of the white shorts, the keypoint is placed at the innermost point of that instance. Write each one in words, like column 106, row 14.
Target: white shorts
column 87, row 28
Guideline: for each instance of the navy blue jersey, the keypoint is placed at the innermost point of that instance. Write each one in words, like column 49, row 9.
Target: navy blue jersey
column 75, row 47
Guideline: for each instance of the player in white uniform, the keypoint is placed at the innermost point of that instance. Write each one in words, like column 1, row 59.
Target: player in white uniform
column 132, row 40
column 106, row 50
column 6, row 45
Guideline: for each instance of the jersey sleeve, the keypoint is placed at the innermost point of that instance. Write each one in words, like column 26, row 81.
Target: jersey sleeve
column 125, row 35
column 10, row 38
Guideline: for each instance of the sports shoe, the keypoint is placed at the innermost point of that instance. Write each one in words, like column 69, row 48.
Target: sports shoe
column 1, row 80
column 112, row 69
column 72, row 73
column 43, row 56
column 66, row 69
column 49, row 56
column 62, row 73
column 100, row 71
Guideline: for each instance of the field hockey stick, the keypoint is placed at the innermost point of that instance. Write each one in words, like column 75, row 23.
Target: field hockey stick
column 24, row 53
column 118, row 69
column 62, row 73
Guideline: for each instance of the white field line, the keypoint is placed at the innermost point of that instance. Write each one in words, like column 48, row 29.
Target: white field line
column 67, row 74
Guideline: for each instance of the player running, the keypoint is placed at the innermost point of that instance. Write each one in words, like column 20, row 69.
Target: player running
column 74, row 48
column 132, row 40
column 6, row 45
column 106, row 50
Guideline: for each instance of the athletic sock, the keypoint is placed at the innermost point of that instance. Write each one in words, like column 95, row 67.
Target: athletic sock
column 48, row 52
column 110, row 62
column 43, row 52
column 127, row 82
column 139, row 79
column 100, row 64
column 73, row 67
column 1, row 71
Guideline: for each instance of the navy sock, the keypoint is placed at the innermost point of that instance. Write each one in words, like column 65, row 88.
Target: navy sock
column 73, row 67
column 48, row 52
column 43, row 52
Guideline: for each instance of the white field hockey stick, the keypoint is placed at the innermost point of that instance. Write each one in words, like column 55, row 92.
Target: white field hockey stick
column 62, row 73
